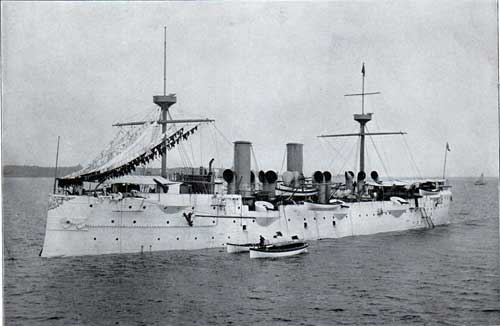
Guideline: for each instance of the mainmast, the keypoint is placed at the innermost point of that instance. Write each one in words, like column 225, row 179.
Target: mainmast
column 363, row 119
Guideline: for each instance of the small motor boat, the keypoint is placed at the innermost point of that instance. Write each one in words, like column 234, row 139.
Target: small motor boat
column 234, row 248
column 277, row 250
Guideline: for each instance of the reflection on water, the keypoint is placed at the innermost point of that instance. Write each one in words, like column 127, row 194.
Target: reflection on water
column 448, row 275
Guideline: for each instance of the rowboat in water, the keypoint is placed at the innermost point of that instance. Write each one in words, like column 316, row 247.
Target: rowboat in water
column 234, row 248
column 278, row 250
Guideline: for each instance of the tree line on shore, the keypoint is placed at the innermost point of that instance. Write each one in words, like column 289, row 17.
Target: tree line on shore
column 33, row 171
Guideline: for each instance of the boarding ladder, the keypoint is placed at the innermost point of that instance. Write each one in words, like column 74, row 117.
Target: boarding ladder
column 427, row 218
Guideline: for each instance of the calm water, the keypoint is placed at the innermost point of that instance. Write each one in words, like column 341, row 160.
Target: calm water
column 444, row 276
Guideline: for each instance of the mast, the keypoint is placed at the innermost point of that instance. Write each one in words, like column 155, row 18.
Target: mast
column 164, row 102
column 165, row 60
column 363, row 119
column 55, row 170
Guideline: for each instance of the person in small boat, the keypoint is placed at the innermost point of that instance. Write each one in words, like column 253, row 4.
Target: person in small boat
column 262, row 242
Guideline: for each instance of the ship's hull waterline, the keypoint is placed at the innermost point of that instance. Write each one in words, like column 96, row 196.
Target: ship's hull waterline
column 86, row 225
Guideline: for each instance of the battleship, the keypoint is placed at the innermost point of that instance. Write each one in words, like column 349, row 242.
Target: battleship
column 108, row 208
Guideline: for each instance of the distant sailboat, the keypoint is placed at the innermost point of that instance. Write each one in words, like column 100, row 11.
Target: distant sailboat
column 480, row 181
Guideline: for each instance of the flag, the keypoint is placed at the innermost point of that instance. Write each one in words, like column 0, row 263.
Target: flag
column 448, row 147
column 363, row 69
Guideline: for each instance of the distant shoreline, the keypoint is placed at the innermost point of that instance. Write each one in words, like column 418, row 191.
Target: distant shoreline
column 33, row 171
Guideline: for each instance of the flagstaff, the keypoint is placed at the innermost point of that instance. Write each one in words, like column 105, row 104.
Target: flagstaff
column 55, row 170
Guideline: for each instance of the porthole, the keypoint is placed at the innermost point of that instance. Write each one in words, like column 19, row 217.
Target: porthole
column 314, row 219
column 168, row 222
column 130, row 207
column 90, row 205
column 213, row 222
column 228, row 237
column 196, row 238
column 213, row 238
column 288, row 220
column 359, row 215
column 67, row 222
column 95, row 239
column 214, row 207
column 177, row 238
column 239, row 207
column 158, row 239
column 133, row 222
column 324, row 218
column 143, row 207
column 112, row 221
column 304, row 218
column 116, row 239
column 234, row 221
column 253, row 221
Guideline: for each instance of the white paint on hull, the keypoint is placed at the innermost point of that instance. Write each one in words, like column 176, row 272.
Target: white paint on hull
column 84, row 225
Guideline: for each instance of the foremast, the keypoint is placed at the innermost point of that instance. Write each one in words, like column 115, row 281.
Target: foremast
column 164, row 102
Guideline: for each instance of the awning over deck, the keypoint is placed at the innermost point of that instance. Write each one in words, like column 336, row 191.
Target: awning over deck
column 127, row 151
column 141, row 180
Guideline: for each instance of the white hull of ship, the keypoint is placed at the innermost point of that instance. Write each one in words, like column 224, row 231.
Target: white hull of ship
column 82, row 225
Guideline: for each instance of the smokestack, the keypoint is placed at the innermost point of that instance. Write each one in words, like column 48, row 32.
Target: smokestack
column 242, row 161
column 294, row 157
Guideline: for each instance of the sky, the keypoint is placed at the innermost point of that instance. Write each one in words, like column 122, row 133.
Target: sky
column 267, row 72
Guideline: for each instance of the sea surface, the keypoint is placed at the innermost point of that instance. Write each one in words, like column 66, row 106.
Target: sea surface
column 444, row 276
